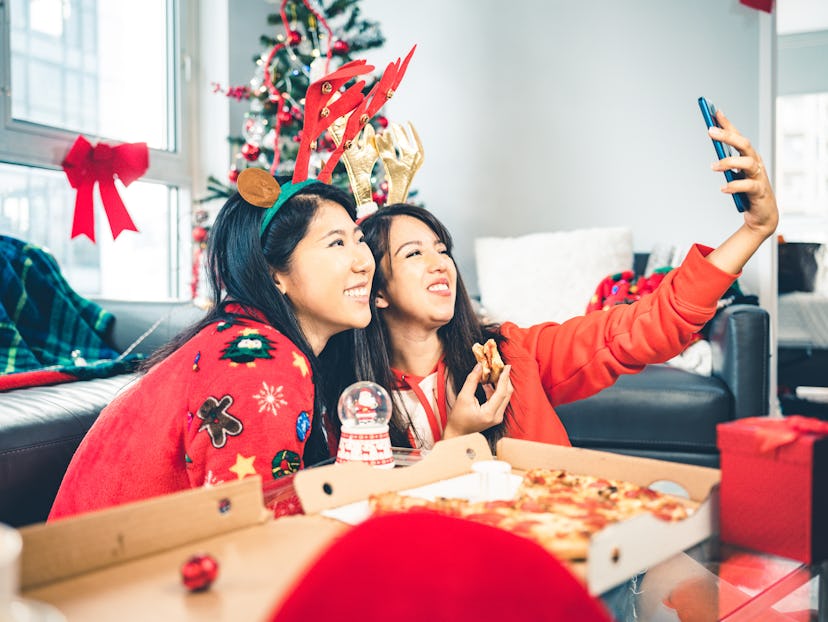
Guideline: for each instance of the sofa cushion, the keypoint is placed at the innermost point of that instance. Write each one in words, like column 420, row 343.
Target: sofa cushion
column 548, row 277
column 41, row 428
column 662, row 409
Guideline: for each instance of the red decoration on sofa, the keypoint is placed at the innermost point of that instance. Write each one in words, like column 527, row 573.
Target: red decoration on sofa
column 85, row 165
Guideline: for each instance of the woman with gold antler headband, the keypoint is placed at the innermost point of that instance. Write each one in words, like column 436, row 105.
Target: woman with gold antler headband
column 419, row 344
column 250, row 388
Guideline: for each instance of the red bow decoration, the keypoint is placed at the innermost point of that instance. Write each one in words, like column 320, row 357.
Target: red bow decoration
column 775, row 433
column 86, row 165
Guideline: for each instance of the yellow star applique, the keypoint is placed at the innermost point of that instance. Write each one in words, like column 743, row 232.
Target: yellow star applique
column 243, row 466
column 300, row 362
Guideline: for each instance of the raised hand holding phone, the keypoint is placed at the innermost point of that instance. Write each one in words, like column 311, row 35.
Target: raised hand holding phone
column 708, row 111
column 761, row 214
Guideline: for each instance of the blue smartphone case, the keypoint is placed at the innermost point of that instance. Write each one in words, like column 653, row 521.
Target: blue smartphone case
column 708, row 111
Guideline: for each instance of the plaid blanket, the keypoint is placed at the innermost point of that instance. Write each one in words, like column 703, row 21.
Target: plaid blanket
column 48, row 332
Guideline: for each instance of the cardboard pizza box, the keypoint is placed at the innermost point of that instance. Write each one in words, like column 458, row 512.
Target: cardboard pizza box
column 123, row 563
column 616, row 553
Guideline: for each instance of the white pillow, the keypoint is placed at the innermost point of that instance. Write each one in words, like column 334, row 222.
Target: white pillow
column 548, row 276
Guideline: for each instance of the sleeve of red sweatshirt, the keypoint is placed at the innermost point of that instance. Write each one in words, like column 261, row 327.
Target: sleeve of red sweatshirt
column 587, row 353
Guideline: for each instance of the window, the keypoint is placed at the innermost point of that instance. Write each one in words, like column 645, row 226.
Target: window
column 802, row 147
column 110, row 71
column 802, row 166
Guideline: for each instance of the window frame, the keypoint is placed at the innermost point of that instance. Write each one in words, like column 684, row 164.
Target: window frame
column 35, row 145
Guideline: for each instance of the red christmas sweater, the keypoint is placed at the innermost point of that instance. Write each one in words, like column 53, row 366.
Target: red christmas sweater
column 559, row 363
column 235, row 400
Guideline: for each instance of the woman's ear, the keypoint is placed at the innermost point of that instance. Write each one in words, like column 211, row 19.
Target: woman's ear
column 381, row 301
column 280, row 283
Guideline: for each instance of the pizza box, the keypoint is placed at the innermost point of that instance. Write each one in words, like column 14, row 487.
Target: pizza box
column 616, row 553
column 123, row 563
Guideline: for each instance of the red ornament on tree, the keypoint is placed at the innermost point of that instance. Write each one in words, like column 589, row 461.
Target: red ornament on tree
column 382, row 122
column 199, row 572
column 199, row 234
column 250, row 152
column 379, row 198
column 340, row 47
column 284, row 116
column 233, row 175
column 294, row 37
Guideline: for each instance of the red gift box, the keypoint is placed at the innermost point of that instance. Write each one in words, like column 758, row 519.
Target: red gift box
column 773, row 494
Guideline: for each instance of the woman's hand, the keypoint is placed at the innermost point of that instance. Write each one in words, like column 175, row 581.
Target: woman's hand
column 467, row 415
column 762, row 217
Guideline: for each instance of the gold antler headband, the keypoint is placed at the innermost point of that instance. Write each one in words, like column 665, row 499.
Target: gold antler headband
column 401, row 159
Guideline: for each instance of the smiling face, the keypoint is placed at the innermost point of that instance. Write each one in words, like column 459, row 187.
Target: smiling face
column 329, row 277
column 421, row 278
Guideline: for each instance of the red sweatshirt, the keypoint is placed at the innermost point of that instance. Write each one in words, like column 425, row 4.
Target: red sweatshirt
column 559, row 363
column 235, row 400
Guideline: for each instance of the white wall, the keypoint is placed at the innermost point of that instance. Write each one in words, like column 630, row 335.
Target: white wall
column 555, row 115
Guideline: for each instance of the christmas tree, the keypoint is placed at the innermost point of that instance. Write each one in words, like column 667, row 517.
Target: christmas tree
column 311, row 40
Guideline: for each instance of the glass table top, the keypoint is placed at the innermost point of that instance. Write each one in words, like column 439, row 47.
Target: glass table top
column 716, row 581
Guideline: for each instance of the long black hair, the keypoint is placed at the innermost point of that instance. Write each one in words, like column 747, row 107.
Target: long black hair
column 240, row 264
column 373, row 357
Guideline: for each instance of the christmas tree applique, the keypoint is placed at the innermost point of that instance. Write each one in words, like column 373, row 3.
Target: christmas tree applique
column 248, row 346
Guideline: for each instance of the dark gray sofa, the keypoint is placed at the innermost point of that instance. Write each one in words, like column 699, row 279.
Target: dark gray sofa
column 40, row 427
column 671, row 414
column 662, row 412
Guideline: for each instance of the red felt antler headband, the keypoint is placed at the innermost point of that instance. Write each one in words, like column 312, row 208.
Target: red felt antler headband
column 324, row 104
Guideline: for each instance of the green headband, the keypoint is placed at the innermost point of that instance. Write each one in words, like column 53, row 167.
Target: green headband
column 286, row 193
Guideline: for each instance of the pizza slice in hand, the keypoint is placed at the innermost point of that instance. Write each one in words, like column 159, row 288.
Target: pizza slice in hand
column 489, row 357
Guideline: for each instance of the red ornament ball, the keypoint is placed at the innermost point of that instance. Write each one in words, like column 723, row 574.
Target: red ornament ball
column 284, row 116
column 199, row 572
column 199, row 234
column 294, row 37
column 340, row 47
column 379, row 198
column 233, row 175
column 382, row 121
column 250, row 152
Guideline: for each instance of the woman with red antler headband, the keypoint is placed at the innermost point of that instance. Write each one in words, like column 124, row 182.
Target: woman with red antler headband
column 249, row 389
column 419, row 344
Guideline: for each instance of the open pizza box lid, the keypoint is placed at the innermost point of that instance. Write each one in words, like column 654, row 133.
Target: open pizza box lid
column 123, row 563
column 616, row 553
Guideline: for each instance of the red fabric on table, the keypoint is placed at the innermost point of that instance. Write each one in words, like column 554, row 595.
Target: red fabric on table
column 773, row 490
column 423, row 566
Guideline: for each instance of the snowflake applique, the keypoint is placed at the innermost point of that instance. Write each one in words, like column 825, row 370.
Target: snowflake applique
column 270, row 398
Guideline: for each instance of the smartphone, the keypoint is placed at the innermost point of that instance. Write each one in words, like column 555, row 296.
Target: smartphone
column 723, row 150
